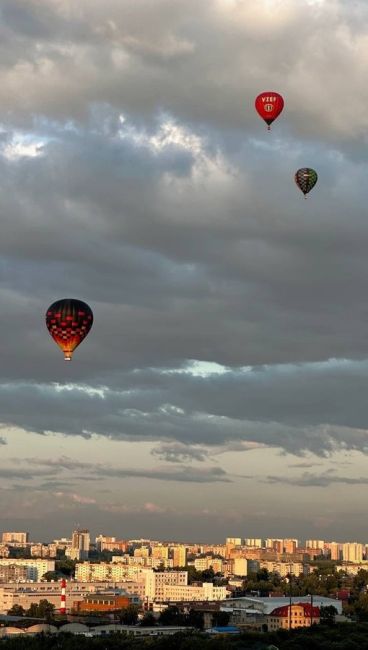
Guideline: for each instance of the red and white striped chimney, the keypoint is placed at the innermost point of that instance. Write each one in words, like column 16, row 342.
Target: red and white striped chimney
column 63, row 597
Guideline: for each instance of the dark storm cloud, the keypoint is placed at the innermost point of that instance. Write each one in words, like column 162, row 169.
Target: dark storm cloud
column 316, row 407
column 264, row 286
column 136, row 175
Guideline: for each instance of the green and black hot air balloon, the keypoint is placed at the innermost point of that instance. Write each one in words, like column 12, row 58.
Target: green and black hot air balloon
column 306, row 178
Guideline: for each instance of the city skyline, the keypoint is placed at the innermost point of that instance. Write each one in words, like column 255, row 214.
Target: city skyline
column 222, row 388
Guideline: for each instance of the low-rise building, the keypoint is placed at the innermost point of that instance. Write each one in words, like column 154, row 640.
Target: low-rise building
column 292, row 616
column 27, row 593
column 105, row 601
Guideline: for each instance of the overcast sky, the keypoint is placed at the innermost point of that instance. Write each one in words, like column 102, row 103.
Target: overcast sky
column 222, row 390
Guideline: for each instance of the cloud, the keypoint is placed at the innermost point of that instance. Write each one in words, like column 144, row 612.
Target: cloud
column 179, row 453
column 276, row 406
column 184, row 474
column 230, row 314
column 315, row 480
column 76, row 498
column 67, row 59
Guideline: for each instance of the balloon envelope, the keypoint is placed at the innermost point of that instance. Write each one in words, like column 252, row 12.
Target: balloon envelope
column 69, row 321
column 269, row 106
column 306, row 178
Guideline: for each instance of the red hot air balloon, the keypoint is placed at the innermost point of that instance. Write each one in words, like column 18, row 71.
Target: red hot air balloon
column 69, row 322
column 269, row 106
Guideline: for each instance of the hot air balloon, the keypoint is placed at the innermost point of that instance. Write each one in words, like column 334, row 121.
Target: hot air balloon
column 269, row 106
column 69, row 322
column 306, row 178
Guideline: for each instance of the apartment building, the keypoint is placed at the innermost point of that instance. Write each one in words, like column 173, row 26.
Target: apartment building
column 208, row 562
column 18, row 538
column 352, row 552
column 155, row 581
column 102, row 571
column 283, row 568
column 36, row 568
column 108, row 543
column 13, row 573
column 207, row 591
column 179, row 554
column 240, row 567
column 79, row 549
column 257, row 542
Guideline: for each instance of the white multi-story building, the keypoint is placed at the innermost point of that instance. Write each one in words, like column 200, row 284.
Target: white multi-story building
column 315, row 543
column 352, row 569
column 36, row 568
column 156, row 581
column 282, row 568
column 80, row 545
column 15, row 537
column 240, row 566
column 206, row 591
column 208, row 562
column 352, row 552
column 233, row 541
column 253, row 541
column 43, row 550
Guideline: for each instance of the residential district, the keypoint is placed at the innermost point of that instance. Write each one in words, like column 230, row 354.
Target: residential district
column 146, row 587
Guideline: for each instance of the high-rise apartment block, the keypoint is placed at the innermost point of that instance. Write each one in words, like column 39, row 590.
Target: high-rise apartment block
column 275, row 543
column 179, row 556
column 315, row 544
column 15, row 538
column 352, row 552
column 257, row 542
column 335, row 550
column 240, row 567
column 233, row 541
column 160, row 552
column 80, row 545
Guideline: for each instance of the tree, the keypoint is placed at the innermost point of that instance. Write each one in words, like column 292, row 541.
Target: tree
column 171, row 616
column 221, row 619
column 16, row 610
column 43, row 609
column 148, row 620
column 327, row 614
column 50, row 576
column 129, row 615
column 66, row 566
column 195, row 619
column 208, row 575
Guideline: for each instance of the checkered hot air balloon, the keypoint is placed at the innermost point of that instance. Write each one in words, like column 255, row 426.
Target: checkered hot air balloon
column 69, row 321
column 306, row 178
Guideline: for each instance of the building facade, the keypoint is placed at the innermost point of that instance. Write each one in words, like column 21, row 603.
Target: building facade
column 292, row 616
